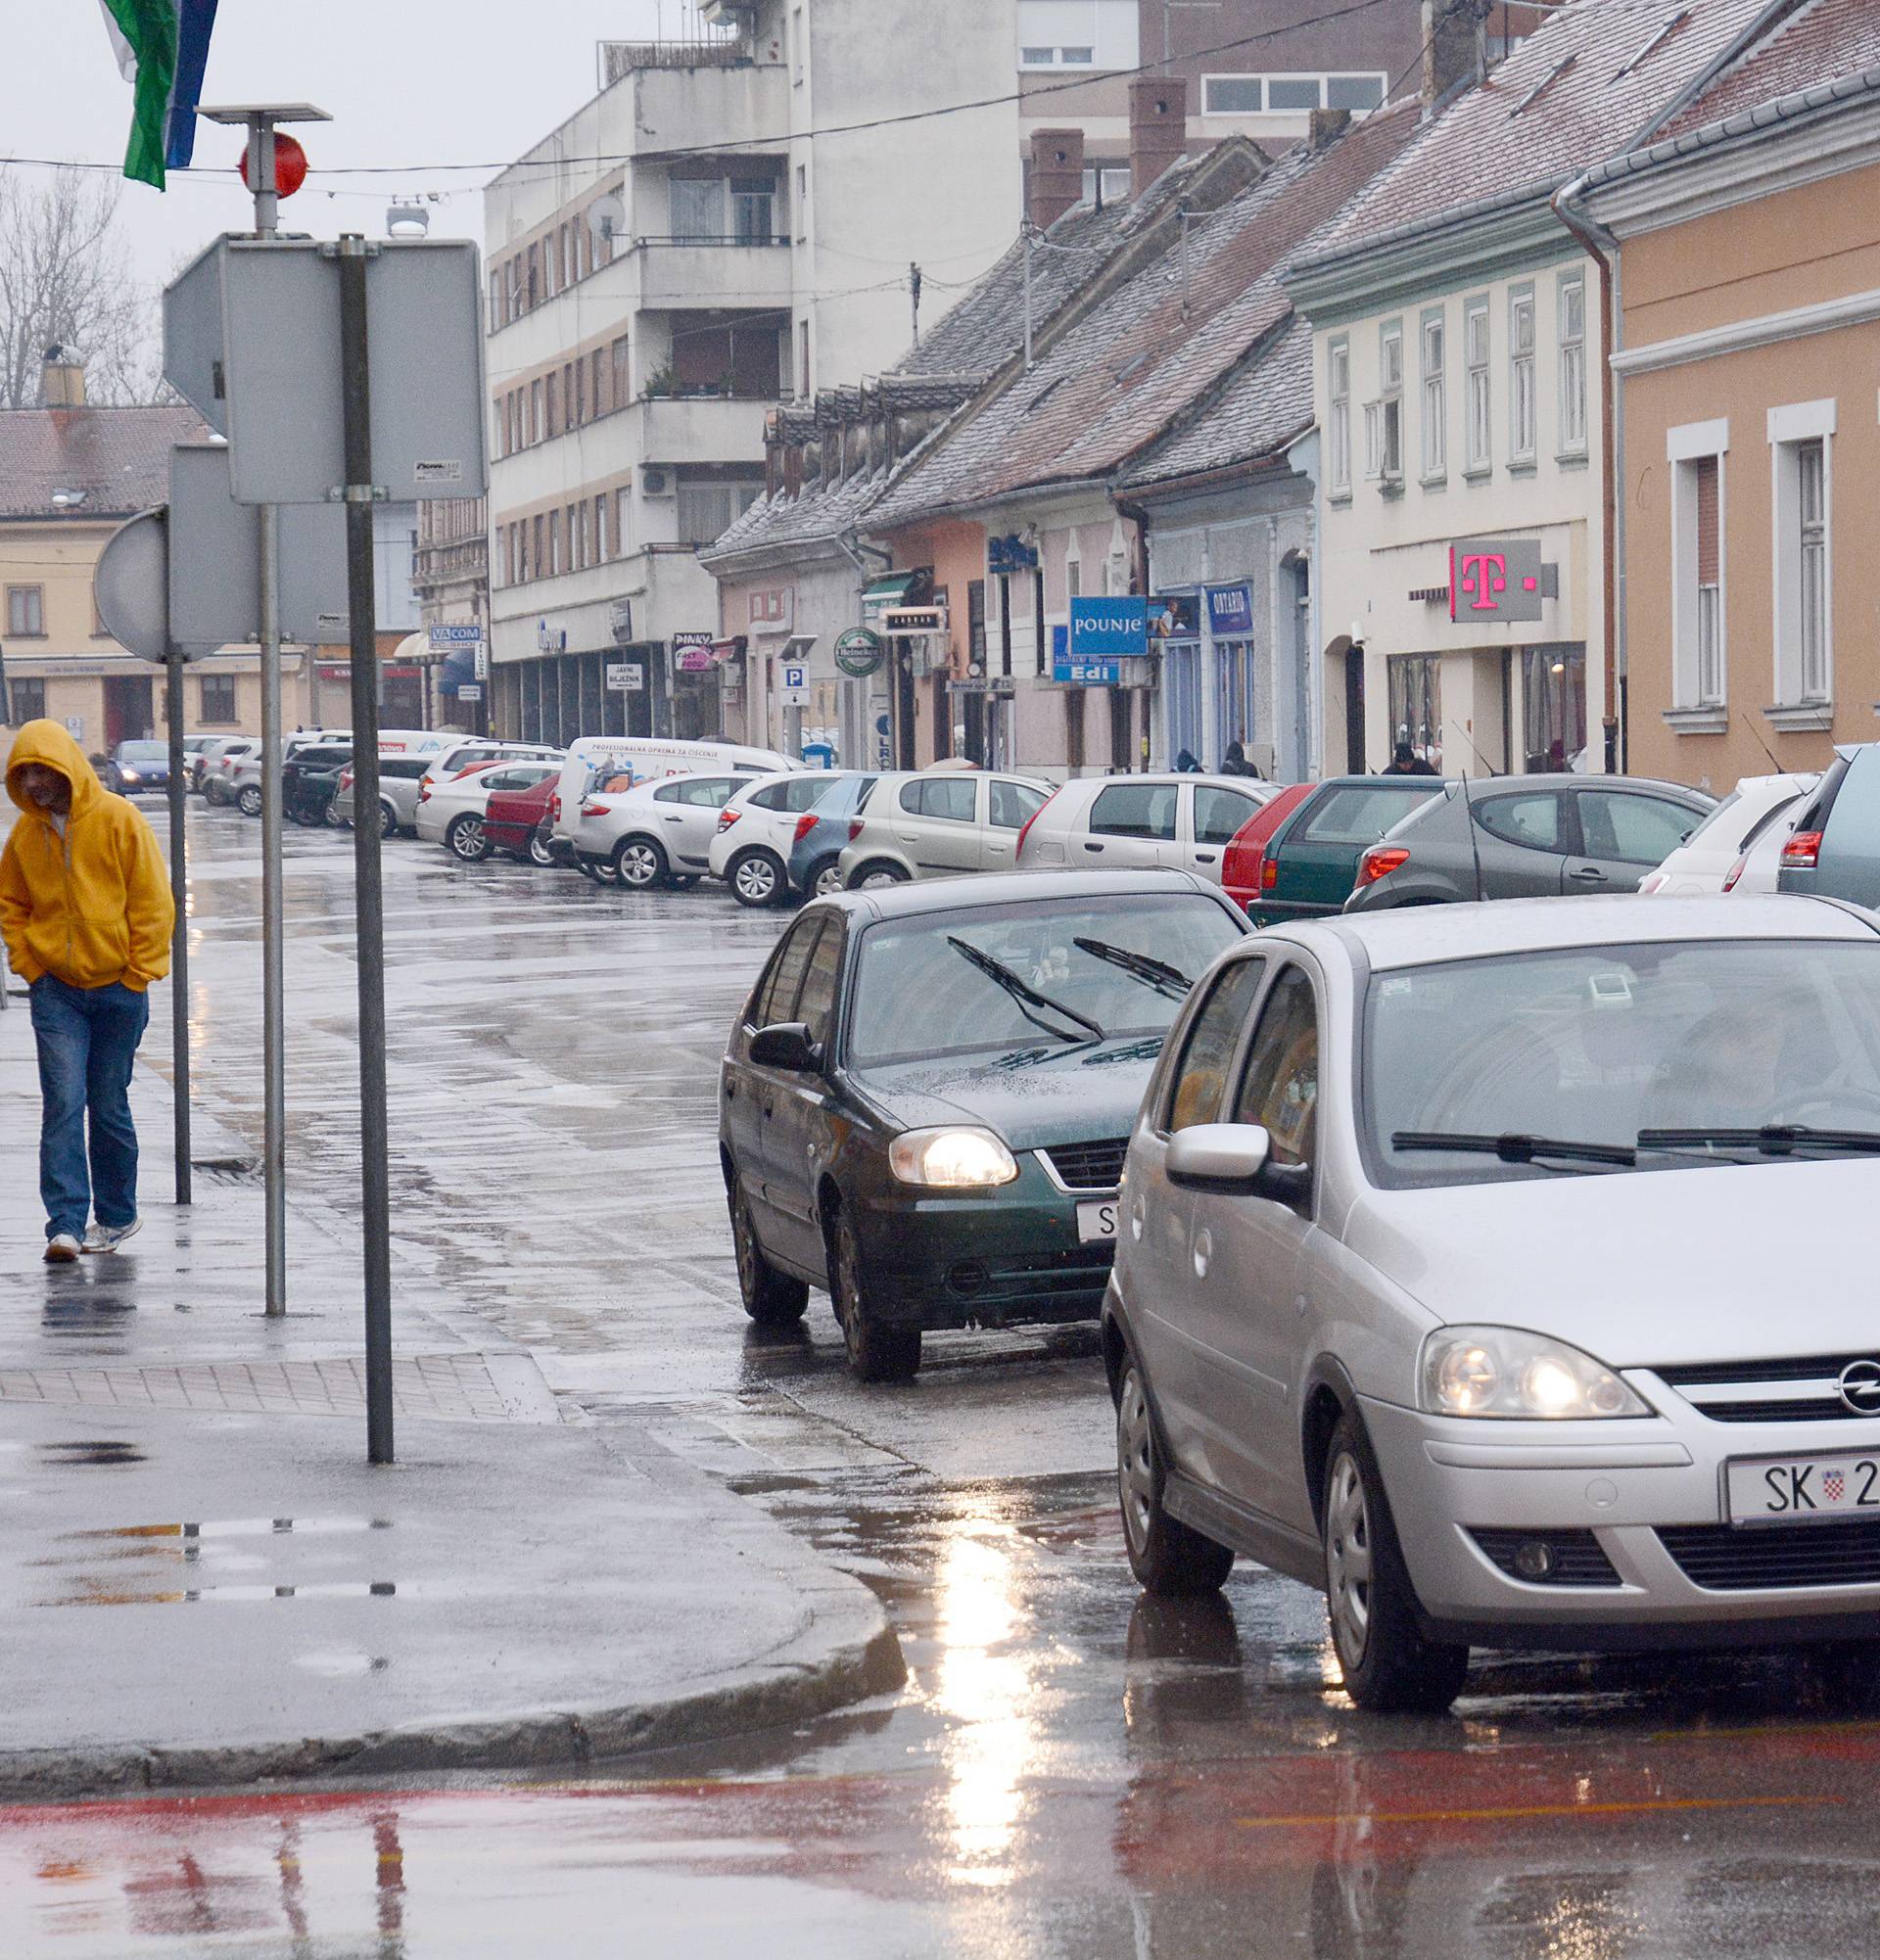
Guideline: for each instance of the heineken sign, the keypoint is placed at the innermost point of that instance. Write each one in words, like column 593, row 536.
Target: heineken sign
column 858, row 652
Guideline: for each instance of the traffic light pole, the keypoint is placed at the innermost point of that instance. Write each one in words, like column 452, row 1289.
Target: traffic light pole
column 179, row 940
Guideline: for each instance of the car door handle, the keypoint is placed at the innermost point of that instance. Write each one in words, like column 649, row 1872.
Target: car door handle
column 1203, row 857
column 1093, row 847
column 1590, row 874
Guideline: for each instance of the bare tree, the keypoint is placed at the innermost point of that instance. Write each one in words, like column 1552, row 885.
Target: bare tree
column 65, row 281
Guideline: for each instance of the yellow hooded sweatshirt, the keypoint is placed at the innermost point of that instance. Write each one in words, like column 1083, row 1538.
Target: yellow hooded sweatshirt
column 93, row 906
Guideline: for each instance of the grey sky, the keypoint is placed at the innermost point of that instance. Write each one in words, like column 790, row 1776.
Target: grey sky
column 412, row 82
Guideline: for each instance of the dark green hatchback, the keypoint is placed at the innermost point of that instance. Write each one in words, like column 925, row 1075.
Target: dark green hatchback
column 925, row 1106
column 1312, row 864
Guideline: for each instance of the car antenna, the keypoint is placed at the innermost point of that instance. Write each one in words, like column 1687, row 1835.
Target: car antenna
column 1469, row 737
column 1743, row 717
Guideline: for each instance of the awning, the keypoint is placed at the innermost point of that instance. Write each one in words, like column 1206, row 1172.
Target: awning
column 890, row 590
column 458, row 669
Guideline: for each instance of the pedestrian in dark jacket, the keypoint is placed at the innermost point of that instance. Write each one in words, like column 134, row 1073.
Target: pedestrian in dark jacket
column 1235, row 762
column 1404, row 761
column 1187, row 763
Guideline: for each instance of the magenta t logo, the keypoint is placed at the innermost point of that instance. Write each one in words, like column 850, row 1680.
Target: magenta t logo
column 1485, row 577
column 1500, row 576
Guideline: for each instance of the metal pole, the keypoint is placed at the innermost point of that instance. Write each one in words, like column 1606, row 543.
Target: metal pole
column 374, row 1142
column 1028, row 361
column 274, row 937
column 179, row 939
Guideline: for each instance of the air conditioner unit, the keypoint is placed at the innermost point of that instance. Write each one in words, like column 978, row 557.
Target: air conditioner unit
column 655, row 480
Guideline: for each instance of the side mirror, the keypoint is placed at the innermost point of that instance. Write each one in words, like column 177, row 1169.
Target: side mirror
column 1218, row 1156
column 786, row 1046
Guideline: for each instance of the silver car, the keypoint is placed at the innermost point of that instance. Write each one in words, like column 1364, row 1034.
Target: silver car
column 936, row 823
column 400, row 779
column 1431, row 1290
column 1130, row 823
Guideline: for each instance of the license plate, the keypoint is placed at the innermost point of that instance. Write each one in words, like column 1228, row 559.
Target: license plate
column 1792, row 1490
column 1096, row 1221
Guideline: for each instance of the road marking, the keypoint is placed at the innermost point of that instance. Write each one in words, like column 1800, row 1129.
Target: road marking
column 1505, row 1813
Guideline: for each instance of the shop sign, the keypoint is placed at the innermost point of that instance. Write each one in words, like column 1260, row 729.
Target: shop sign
column 1496, row 579
column 470, row 693
column 692, row 653
column 858, row 652
column 1004, row 555
column 1175, row 616
column 626, row 676
column 1068, row 672
column 914, row 622
column 1107, row 629
column 1230, row 611
column 456, row 635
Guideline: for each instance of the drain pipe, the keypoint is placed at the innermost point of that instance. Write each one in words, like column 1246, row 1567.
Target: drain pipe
column 1602, row 247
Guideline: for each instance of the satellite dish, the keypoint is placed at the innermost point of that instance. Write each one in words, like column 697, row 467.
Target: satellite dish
column 607, row 217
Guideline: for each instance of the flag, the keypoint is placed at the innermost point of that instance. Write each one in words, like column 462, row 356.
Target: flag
column 161, row 48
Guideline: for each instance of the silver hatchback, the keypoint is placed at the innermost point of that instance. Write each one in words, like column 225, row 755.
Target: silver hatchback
column 1433, row 1291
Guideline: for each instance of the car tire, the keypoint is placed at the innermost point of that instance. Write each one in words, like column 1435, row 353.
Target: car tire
column 756, row 879
column 248, row 803
column 877, row 872
column 638, row 863
column 771, row 1298
column 1168, row 1558
column 825, row 877
column 464, row 838
column 215, row 794
column 388, row 820
column 877, row 1350
column 1388, row 1666
column 540, row 854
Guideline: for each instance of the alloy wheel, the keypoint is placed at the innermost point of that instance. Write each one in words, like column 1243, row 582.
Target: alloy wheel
column 388, row 820
column 1135, row 1462
column 466, row 838
column 540, row 854
column 1347, row 1558
column 638, row 865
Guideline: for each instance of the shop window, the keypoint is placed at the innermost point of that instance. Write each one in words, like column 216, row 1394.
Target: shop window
column 218, row 700
column 1415, row 681
column 1553, row 707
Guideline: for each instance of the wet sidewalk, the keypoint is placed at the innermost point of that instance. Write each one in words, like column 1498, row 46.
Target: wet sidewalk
column 202, row 1581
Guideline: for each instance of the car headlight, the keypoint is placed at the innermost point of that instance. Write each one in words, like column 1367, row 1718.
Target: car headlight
column 128, row 774
column 952, row 1159
column 1509, row 1373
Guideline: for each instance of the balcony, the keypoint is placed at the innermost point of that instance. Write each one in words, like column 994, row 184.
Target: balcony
column 694, row 108
column 698, row 274
column 700, row 428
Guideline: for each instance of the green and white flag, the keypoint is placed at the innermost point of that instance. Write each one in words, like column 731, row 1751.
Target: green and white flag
column 161, row 48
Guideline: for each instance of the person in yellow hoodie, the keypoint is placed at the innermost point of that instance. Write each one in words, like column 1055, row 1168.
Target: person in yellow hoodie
column 86, row 915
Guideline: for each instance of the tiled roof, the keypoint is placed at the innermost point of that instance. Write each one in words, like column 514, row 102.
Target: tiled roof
column 813, row 514
column 119, row 457
column 1595, row 78
column 1115, row 381
column 1263, row 406
column 1816, row 43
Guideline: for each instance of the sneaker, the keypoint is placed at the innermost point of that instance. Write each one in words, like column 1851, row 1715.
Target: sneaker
column 107, row 1237
column 62, row 1249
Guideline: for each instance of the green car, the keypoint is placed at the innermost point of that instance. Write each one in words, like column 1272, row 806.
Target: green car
column 1311, row 862
column 925, row 1106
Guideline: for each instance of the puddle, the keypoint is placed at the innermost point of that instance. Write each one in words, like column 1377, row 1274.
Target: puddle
column 239, row 1528
column 98, row 1452
column 344, row 1589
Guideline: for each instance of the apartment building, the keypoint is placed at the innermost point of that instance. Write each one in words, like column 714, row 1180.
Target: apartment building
column 724, row 223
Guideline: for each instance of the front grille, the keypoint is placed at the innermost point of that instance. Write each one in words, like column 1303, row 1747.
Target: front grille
column 1722, row 1559
column 1574, row 1556
column 1799, row 1388
column 1088, row 1166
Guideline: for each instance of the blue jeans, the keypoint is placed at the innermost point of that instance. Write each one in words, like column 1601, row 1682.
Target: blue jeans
column 87, row 1039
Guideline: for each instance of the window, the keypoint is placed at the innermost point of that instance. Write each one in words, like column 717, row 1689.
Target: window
column 815, row 1004
column 1436, row 404
column 1213, row 1036
column 1812, row 511
column 29, row 701
column 1220, row 813
column 950, row 799
column 533, row 286
column 1289, row 94
column 600, row 529
column 1144, row 810
column 556, row 562
column 1010, row 805
column 697, row 209
column 1108, row 184
column 1279, row 1091
column 581, row 391
column 775, row 997
column 1037, row 58
column 1632, row 829
column 1475, row 351
column 802, row 201
column 534, row 411
column 1361, row 812
column 598, row 382
column 1697, row 565
column 622, row 378
column 1338, row 417
column 26, row 612
column 1520, row 376
column 803, row 354
column 706, row 511
column 1532, row 821
column 1573, row 366
column 1077, row 57
column 1356, row 92
column 536, row 554
column 1294, row 92
column 1803, row 499
column 623, row 522
column 1416, row 703
column 217, row 699
column 1390, row 406
column 551, row 405
column 976, row 623
column 752, row 209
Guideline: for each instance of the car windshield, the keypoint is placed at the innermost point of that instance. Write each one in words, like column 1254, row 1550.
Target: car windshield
column 1642, row 1057
column 921, row 990
column 141, row 752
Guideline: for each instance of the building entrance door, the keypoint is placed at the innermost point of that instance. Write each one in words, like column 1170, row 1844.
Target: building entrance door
column 1354, row 710
column 127, row 710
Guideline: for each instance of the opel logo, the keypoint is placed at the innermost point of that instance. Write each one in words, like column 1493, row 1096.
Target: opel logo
column 1859, row 1385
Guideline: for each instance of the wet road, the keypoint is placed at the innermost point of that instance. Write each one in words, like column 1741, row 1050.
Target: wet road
column 1071, row 1770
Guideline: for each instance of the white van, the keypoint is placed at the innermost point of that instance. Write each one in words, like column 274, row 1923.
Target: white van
column 624, row 761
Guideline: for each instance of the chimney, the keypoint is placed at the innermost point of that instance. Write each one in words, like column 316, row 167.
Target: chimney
column 1450, row 55
column 61, row 378
column 1323, row 124
column 1157, row 127
column 1056, row 174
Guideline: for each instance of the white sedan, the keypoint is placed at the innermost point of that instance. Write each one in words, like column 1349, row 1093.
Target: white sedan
column 450, row 813
column 1701, row 865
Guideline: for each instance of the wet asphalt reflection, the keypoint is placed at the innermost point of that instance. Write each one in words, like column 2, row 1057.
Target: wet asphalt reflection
column 1072, row 1769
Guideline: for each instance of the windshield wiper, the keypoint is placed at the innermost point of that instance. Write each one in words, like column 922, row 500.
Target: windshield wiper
column 1157, row 973
column 1024, row 993
column 1773, row 1140
column 1514, row 1148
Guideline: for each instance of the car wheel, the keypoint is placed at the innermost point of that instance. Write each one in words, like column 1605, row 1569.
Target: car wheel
column 771, row 1297
column 213, row 793
column 638, row 863
column 877, row 1351
column 540, row 854
column 877, row 872
column 825, row 877
column 388, row 820
column 1388, row 1666
column 249, row 801
column 1166, row 1556
column 465, row 839
column 756, row 879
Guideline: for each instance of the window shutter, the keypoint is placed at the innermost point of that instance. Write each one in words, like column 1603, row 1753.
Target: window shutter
column 1705, row 471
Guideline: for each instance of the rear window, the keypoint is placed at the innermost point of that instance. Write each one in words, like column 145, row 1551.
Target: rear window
column 1360, row 812
column 408, row 769
column 1135, row 810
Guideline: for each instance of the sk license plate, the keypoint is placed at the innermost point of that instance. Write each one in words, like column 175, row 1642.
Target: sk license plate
column 1791, row 1490
column 1096, row 1221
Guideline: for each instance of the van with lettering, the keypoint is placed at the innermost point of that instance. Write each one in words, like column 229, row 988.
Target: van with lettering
column 599, row 766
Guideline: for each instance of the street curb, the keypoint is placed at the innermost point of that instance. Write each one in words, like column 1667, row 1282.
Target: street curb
column 847, row 1653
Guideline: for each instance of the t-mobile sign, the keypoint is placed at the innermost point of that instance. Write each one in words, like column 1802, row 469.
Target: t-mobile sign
column 1496, row 579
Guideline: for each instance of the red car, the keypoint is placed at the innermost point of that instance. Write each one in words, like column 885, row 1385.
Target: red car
column 517, row 821
column 1243, row 862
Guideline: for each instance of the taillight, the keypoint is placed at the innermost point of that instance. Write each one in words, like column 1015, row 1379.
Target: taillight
column 1380, row 862
column 1736, row 871
column 345, row 779
column 1803, row 851
column 854, row 828
column 1019, row 850
column 590, row 808
column 554, row 807
column 805, row 825
column 1269, row 873
column 424, row 792
column 727, row 816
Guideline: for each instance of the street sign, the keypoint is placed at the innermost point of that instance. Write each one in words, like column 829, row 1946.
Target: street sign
column 252, row 340
column 1496, row 579
column 793, row 683
column 1107, row 629
column 131, row 585
column 470, row 693
column 858, row 652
